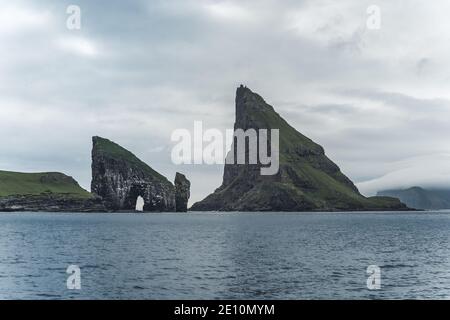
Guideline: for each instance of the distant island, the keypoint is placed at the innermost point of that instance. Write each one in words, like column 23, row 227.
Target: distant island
column 307, row 180
column 47, row 191
column 420, row 198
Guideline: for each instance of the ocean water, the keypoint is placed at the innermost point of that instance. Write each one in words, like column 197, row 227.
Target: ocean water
column 225, row 256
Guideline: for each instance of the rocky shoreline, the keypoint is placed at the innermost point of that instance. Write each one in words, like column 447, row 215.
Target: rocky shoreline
column 50, row 203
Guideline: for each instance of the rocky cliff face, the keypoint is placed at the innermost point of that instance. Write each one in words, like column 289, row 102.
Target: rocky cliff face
column 307, row 180
column 119, row 178
column 182, row 192
column 50, row 202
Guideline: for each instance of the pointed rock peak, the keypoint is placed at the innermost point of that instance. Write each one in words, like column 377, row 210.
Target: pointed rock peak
column 307, row 179
column 180, row 177
column 244, row 94
column 248, row 102
column 242, row 91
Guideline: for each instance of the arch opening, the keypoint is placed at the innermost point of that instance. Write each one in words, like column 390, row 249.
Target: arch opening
column 140, row 204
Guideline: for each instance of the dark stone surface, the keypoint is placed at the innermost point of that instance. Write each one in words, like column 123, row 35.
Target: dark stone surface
column 307, row 179
column 119, row 177
column 50, row 203
column 182, row 192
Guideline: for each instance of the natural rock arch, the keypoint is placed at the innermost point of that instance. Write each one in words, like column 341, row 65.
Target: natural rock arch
column 119, row 177
column 140, row 204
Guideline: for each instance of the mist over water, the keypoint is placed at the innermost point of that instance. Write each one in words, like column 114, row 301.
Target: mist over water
column 225, row 256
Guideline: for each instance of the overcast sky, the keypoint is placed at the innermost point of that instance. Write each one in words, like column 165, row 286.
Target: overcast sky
column 378, row 101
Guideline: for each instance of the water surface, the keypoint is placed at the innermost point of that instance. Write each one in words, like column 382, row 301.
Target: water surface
column 225, row 256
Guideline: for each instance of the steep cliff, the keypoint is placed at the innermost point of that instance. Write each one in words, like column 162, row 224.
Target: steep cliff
column 119, row 178
column 182, row 192
column 307, row 180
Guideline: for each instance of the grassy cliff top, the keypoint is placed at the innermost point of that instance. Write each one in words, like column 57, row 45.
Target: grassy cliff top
column 112, row 150
column 17, row 183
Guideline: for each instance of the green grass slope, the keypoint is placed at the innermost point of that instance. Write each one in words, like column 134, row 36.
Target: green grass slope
column 17, row 183
column 307, row 179
column 112, row 150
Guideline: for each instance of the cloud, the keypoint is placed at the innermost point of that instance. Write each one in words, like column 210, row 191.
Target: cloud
column 378, row 101
column 400, row 100
column 429, row 171
column 19, row 19
column 228, row 10
column 78, row 45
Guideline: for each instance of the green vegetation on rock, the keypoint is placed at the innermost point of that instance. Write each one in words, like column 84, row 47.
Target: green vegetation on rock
column 109, row 149
column 307, row 179
column 119, row 178
column 17, row 183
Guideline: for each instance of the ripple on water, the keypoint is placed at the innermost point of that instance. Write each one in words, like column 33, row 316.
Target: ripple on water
column 231, row 256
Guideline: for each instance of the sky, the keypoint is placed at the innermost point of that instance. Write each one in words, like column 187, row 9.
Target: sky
column 377, row 100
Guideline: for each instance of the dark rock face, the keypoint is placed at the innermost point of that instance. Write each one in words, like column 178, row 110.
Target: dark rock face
column 307, row 180
column 50, row 203
column 119, row 178
column 182, row 192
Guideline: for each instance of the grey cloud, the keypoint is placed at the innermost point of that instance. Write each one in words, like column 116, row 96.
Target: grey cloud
column 400, row 100
column 160, row 65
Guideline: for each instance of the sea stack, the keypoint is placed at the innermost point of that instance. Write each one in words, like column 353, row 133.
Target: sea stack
column 182, row 192
column 307, row 180
column 119, row 178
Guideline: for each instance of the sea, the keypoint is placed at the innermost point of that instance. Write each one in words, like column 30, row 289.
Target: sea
column 211, row 255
